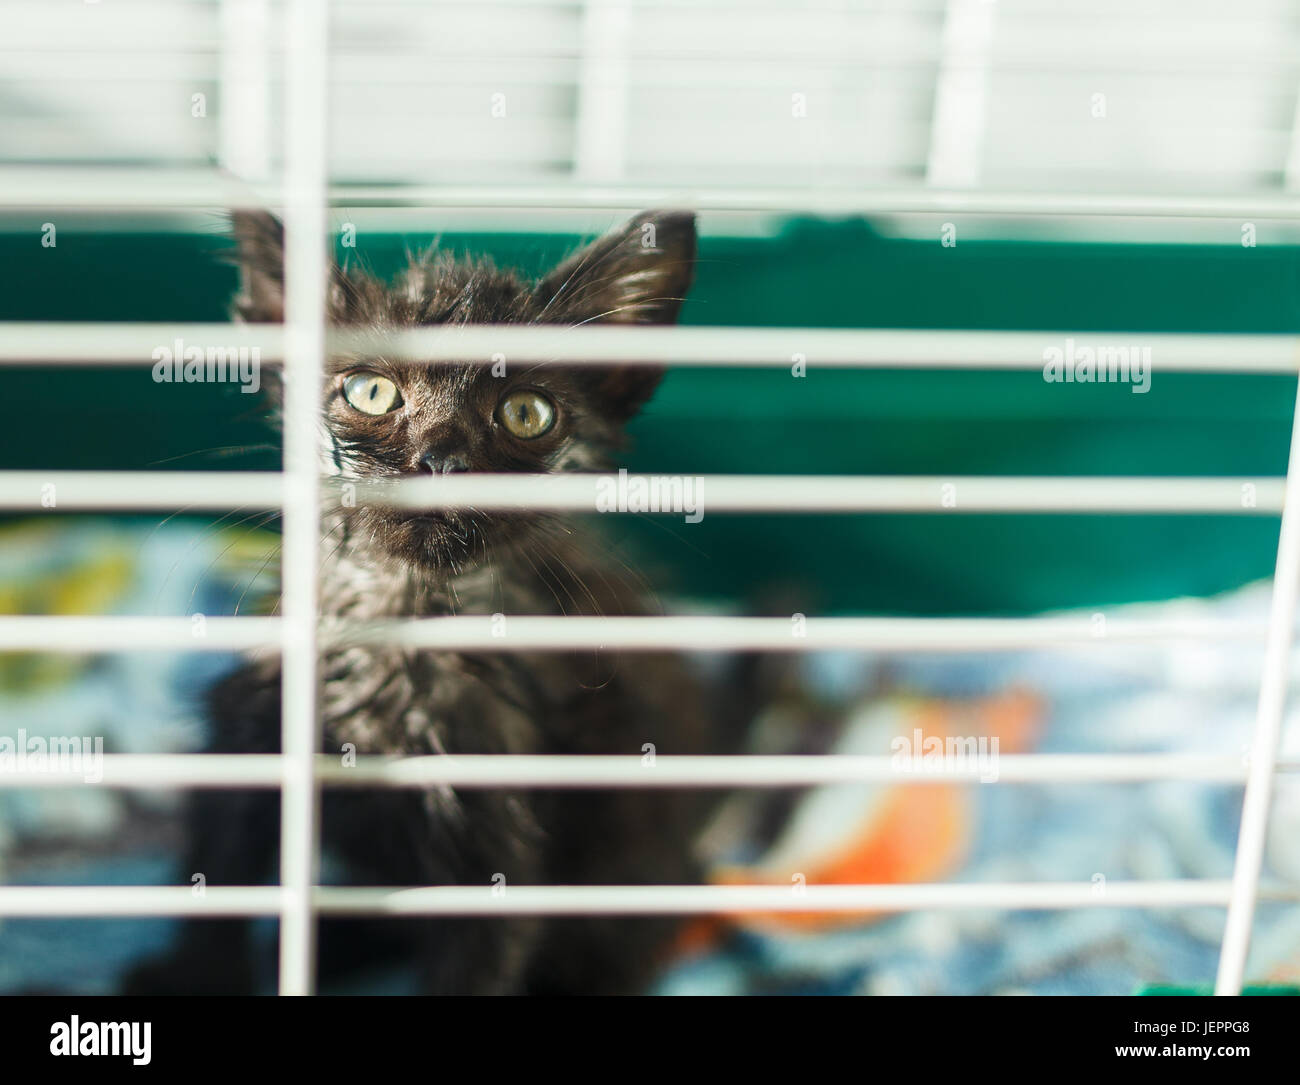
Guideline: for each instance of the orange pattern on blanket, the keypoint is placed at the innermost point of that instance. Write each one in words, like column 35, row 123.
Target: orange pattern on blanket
column 1016, row 717
column 918, row 834
column 912, row 832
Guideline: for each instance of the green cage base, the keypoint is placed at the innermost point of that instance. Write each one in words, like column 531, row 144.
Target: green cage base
column 1208, row 989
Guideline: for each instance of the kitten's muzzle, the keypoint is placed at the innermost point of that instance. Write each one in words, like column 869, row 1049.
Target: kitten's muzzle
column 438, row 463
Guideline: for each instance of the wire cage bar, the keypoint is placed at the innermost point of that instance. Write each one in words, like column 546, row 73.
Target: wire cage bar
column 126, row 189
column 148, row 771
column 703, row 633
column 306, row 268
column 884, row 348
column 1268, row 732
column 218, row 901
column 263, row 490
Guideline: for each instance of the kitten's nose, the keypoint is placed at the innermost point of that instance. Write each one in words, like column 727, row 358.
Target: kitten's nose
column 440, row 463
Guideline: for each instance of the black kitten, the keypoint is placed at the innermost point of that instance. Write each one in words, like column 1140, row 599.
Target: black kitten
column 386, row 420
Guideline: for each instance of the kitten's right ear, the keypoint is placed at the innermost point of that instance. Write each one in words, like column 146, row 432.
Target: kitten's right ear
column 259, row 241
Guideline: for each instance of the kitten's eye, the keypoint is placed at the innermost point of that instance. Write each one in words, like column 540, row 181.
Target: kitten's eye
column 370, row 393
column 526, row 413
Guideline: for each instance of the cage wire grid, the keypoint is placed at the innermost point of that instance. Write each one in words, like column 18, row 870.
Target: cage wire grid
column 301, row 343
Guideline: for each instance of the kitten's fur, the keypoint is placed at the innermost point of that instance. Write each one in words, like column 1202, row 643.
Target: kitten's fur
column 384, row 562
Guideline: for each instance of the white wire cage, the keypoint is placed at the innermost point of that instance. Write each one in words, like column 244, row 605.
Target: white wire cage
column 915, row 109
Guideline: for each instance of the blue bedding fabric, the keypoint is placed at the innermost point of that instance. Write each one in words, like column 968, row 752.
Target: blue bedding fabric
column 1188, row 698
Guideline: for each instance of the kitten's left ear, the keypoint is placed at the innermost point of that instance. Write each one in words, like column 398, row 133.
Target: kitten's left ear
column 639, row 274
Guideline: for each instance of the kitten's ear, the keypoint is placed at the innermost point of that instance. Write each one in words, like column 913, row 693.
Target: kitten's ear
column 638, row 274
column 259, row 241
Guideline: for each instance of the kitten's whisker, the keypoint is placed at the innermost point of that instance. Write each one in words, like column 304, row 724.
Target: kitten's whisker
column 275, row 552
column 650, row 518
column 553, row 552
column 158, row 527
column 198, row 539
column 630, row 306
column 623, row 309
column 641, row 589
column 612, row 660
column 266, row 519
column 544, row 582
column 592, row 284
column 216, row 450
column 343, row 539
column 581, row 265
